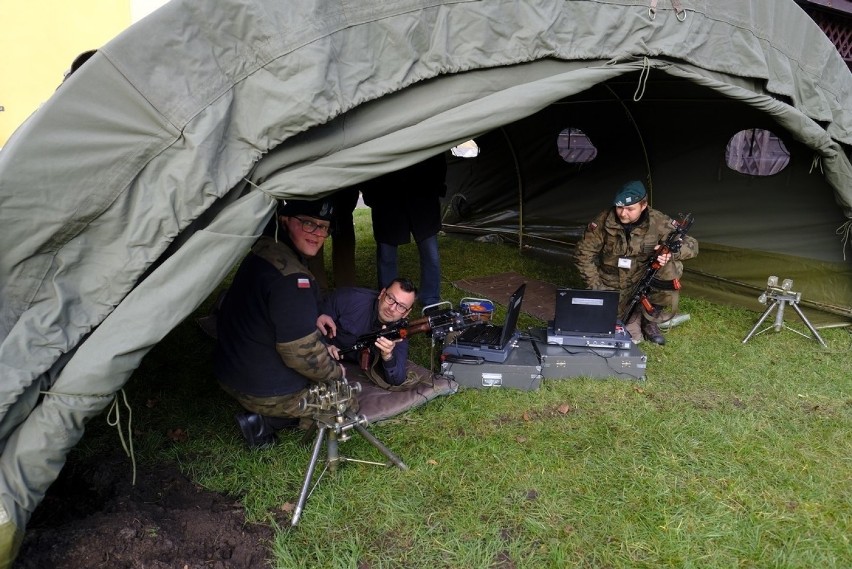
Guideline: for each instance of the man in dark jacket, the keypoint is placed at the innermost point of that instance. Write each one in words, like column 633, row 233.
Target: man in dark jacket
column 349, row 313
column 269, row 351
column 405, row 203
column 614, row 251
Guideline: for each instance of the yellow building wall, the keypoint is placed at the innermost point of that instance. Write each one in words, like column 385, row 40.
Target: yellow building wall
column 38, row 42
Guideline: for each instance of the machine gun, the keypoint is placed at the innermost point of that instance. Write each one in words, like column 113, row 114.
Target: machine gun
column 439, row 324
column 331, row 405
column 671, row 244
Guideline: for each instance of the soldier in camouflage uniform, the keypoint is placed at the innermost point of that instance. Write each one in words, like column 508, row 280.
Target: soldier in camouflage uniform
column 269, row 351
column 614, row 251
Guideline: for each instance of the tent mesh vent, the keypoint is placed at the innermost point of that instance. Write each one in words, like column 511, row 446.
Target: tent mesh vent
column 838, row 29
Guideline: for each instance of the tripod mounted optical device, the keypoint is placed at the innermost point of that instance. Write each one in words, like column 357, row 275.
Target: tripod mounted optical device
column 776, row 297
column 334, row 422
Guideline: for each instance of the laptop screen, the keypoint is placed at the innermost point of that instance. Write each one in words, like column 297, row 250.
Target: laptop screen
column 480, row 340
column 512, row 314
column 484, row 334
column 586, row 311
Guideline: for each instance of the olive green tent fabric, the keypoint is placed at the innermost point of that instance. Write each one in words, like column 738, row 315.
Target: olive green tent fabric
column 131, row 192
column 674, row 138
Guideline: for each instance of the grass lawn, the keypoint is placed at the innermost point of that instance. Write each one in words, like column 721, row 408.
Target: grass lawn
column 727, row 455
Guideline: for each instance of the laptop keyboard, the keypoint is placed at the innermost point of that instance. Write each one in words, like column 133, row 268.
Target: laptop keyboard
column 484, row 335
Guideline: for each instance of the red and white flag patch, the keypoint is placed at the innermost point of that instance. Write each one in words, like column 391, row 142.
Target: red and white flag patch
column 303, row 283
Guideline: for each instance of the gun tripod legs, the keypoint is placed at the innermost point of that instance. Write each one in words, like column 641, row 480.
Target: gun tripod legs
column 312, row 465
column 382, row 448
column 333, row 459
column 779, row 321
column 809, row 325
column 757, row 324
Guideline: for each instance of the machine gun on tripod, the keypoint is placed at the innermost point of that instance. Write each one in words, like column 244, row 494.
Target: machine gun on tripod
column 671, row 244
column 334, row 422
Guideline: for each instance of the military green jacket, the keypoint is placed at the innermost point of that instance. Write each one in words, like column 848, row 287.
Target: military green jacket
column 608, row 258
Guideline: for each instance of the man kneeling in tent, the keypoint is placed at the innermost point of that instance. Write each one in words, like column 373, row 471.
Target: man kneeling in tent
column 614, row 251
column 350, row 313
column 269, row 351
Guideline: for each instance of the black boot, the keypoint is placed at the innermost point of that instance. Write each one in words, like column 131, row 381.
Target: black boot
column 651, row 330
column 257, row 430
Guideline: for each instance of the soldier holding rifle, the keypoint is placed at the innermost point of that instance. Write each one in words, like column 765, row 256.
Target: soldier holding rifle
column 615, row 251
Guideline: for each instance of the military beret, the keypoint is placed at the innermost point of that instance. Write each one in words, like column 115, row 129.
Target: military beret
column 630, row 193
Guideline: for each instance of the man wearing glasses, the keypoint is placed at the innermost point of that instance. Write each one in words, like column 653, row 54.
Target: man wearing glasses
column 350, row 312
column 269, row 351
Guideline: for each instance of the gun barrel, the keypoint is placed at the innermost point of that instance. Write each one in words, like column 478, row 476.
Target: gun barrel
column 436, row 323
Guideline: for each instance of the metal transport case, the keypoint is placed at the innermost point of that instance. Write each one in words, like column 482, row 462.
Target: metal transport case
column 521, row 370
column 566, row 361
column 619, row 339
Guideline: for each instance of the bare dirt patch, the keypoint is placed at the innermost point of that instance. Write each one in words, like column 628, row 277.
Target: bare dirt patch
column 93, row 516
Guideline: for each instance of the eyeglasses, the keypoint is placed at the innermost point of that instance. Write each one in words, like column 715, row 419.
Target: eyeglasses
column 314, row 228
column 395, row 304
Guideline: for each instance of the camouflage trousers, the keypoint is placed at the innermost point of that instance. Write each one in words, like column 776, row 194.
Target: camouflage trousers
column 283, row 406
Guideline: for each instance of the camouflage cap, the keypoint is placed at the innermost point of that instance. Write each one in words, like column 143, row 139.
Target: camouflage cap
column 630, row 193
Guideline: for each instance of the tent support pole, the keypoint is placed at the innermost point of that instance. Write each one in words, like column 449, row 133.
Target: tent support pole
column 649, row 182
column 520, row 188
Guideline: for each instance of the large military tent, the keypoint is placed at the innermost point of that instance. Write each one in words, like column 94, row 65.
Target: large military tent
column 676, row 138
column 131, row 193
